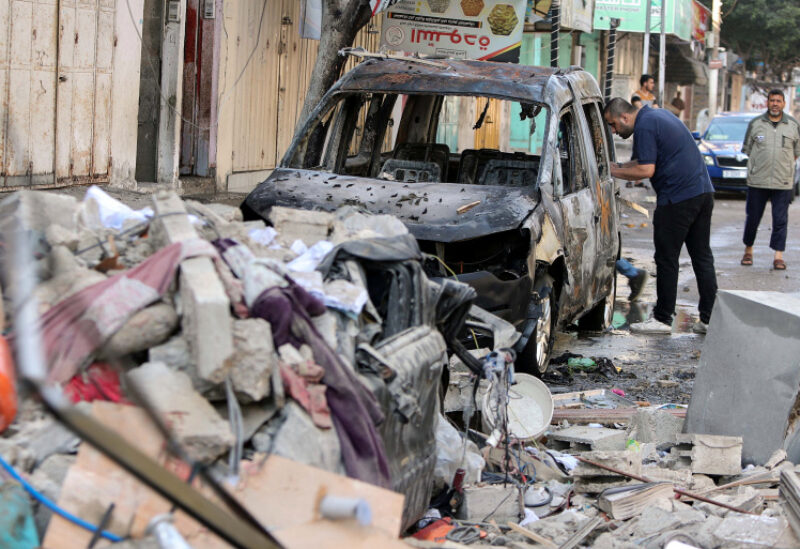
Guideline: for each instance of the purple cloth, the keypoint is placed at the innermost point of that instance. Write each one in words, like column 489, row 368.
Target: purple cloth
column 275, row 305
column 354, row 409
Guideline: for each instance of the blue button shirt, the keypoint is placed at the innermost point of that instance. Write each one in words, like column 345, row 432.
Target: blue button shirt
column 660, row 138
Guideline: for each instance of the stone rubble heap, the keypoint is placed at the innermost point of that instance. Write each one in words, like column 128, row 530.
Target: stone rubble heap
column 229, row 392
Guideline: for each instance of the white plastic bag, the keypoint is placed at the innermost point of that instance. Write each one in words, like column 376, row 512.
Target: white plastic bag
column 451, row 454
column 99, row 210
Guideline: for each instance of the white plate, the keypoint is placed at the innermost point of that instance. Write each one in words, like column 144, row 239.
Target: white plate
column 734, row 174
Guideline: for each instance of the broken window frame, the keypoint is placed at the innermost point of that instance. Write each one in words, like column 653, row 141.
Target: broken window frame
column 341, row 115
column 599, row 143
column 575, row 179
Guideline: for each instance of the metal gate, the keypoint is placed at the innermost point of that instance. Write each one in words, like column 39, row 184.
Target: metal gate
column 56, row 63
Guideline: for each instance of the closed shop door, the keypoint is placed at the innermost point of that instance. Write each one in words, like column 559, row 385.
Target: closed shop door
column 55, row 84
column 83, row 110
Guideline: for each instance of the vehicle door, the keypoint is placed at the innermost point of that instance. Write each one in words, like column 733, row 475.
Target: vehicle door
column 602, row 186
column 576, row 200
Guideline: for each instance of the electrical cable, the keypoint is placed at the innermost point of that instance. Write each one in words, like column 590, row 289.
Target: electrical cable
column 52, row 506
column 225, row 95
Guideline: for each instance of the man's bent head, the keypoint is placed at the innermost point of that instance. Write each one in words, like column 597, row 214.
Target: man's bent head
column 621, row 116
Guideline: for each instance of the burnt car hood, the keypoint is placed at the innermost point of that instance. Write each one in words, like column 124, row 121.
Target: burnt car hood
column 429, row 210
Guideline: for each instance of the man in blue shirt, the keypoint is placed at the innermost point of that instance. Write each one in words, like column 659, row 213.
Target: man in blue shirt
column 666, row 152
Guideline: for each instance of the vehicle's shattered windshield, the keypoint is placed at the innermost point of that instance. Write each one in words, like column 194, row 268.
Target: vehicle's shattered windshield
column 427, row 138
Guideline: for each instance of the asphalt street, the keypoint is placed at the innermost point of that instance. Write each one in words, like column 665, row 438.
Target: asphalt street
column 660, row 368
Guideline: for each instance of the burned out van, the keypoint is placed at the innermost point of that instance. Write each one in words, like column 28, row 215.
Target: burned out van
column 500, row 171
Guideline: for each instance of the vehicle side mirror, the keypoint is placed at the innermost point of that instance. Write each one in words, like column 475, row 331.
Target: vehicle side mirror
column 696, row 136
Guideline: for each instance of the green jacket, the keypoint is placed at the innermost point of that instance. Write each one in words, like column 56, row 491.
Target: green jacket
column 772, row 151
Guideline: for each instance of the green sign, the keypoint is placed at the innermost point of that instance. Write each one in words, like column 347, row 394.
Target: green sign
column 632, row 16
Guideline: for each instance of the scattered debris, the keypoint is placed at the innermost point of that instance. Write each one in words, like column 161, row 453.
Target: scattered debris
column 297, row 367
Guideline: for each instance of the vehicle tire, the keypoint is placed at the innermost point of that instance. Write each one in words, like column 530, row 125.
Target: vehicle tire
column 602, row 314
column 535, row 357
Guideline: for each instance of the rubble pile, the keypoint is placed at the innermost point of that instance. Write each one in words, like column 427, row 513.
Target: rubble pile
column 298, row 365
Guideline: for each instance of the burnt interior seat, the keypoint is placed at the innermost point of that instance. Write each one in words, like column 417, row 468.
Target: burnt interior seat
column 510, row 173
column 492, row 167
column 438, row 153
column 411, row 171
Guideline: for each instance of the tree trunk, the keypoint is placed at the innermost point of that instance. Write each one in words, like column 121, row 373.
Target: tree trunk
column 341, row 21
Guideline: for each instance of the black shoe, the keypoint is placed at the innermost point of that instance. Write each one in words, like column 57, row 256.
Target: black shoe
column 637, row 284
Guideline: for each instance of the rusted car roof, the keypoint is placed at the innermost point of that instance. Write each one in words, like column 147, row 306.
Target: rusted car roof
column 449, row 76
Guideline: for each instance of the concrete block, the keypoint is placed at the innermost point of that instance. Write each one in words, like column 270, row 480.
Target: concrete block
column 36, row 210
column 206, row 309
column 193, row 421
column 147, row 328
column 47, row 479
column 57, row 235
column 206, row 321
column 253, row 360
column 494, row 501
column 750, row 530
column 583, row 439
column 681, row 478
column 744, row 497
column 294, row 436
column 308, row 226
column 749, row 374
column 652, row 425
column 629, row 461
column 709, row 454
column 593, row 480
column 171, row 223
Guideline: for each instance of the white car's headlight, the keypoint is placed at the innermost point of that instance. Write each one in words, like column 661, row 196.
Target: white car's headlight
column 709, row 160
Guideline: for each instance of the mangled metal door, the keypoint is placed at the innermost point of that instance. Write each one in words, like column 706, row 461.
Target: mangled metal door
column 578, row 210
column 84, row 85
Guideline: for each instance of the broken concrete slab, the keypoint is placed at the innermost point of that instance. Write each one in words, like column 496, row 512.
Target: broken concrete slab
column 47, row 479
column 709, row 454
column 653, row 425
column 593, row 480
column 57, row 235
column 584, row 439
column 749, row 374
column 192, row 420
column 308, row 226
column 492, row 501
column 296, row 437
column 145, row 329
column 36, row 210
column 744, row 497
column 206, row 309
column 254, row 359
column 751, row 530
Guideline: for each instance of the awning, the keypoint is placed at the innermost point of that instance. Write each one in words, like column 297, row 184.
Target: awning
column 683, row 69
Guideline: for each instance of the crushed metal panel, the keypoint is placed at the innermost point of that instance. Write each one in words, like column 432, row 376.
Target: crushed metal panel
column 548, row 247
column 449, row 76
column 749, row 374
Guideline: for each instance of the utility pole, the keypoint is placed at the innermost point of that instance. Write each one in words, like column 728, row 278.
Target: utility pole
column 662, row 54
column 713, row 92
column 612, row 46
column 646, row 52
column 555, row 28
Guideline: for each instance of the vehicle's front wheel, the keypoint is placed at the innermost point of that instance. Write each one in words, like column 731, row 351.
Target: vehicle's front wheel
column 535, row 356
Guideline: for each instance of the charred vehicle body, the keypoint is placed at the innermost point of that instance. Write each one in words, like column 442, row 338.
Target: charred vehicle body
column 530, row 220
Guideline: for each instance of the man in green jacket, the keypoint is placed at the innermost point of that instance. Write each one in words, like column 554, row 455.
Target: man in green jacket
column 772, row 143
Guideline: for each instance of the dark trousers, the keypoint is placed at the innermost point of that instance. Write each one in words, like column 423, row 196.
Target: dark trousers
column 686, row 222
column 756, row 202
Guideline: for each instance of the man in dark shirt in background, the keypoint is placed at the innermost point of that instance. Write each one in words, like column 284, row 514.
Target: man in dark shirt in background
column 666, row 152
